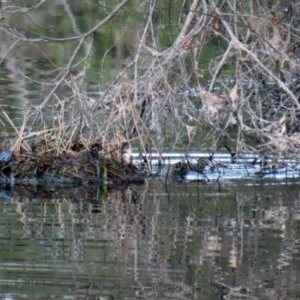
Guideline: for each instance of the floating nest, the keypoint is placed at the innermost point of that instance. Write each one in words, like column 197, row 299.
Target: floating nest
column 78, row 165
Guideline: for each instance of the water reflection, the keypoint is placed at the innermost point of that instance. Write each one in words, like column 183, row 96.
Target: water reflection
column 143, row 242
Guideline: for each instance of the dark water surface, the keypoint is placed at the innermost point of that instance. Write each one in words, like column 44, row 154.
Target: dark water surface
column 186, row 241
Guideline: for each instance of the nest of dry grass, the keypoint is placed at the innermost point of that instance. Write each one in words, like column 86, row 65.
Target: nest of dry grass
column 39, row 159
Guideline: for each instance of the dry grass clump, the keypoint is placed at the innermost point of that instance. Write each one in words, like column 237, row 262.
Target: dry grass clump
column 53, row 156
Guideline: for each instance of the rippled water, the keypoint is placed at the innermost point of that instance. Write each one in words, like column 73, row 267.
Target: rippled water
column 183, row 241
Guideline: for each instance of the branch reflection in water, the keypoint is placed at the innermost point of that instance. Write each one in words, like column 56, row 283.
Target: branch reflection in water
column 191, row 241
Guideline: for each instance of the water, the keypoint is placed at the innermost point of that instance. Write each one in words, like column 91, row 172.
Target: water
column 220, row 167
column 186, row 241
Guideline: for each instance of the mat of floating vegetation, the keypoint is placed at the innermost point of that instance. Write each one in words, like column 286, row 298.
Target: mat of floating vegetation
column 65, row 169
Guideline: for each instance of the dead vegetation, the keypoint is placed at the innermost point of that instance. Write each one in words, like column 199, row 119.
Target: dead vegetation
column 246, row 97
column 254, row 108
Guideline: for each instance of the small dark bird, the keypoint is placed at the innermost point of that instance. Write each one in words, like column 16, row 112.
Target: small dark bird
column 94, row 151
